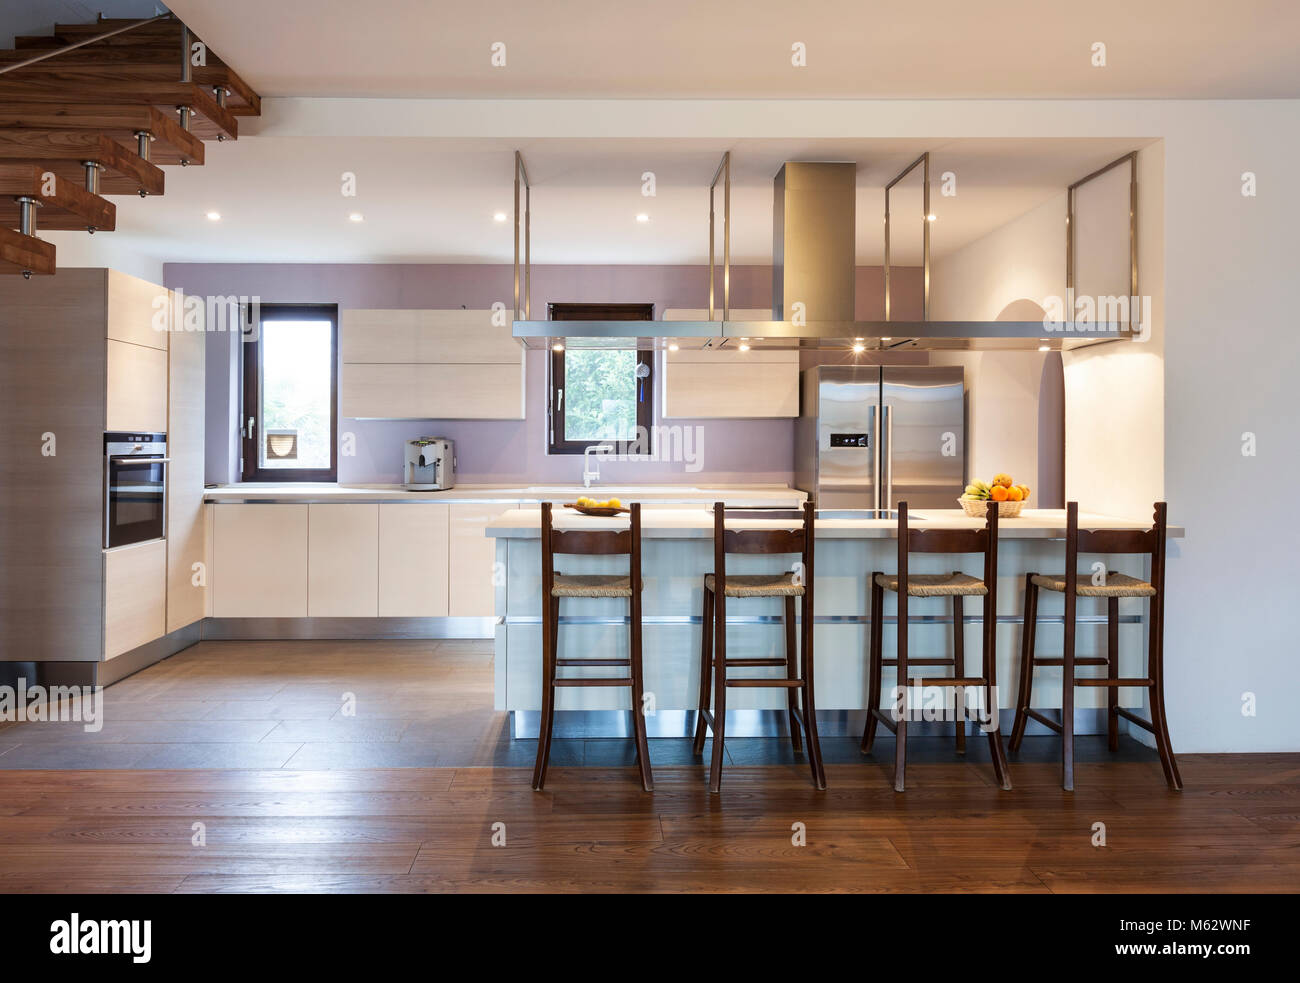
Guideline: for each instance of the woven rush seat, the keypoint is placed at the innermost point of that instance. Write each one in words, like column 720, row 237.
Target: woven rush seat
column 758, row 585
column 936, row 584
column 1117, row 585
column 591, row 585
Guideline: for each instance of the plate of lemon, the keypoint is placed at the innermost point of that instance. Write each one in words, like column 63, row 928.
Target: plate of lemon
column 591, row 506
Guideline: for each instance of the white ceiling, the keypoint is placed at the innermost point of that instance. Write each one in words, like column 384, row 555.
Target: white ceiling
column 426, row 200
column 952, row 49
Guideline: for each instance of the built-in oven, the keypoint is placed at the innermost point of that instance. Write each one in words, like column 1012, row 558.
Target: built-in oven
column 135, row 488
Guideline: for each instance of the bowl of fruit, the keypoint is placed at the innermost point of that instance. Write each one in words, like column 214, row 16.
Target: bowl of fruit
column 1010, row 497
column 590, row 506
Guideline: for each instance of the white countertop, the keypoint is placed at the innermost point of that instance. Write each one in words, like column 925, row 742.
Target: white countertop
column 760, row 495
column 698, row 524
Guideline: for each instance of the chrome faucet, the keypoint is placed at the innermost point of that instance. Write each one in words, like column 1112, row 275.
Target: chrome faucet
column 590, row 474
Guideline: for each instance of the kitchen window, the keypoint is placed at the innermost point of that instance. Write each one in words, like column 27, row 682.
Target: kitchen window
column 289, row 427
column 598, row 395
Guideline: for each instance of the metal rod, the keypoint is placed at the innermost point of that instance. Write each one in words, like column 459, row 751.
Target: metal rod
column 517, row 235
column 726, row 238
column 1132, row 239
column 925, row 239
column 92, row 175
column 712, row 236
column 528, row 248
column 887, row 253
column 186, row 72
column 27, row 215
column 185, row 113
column 81, row 44
column 219, row 92
column 142, row 140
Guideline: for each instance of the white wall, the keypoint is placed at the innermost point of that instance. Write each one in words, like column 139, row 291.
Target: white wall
column 74, row 249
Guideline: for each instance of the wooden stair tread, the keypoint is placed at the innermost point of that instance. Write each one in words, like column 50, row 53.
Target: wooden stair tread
column 50, row 88
column 60, row 149
column 171, row 144
column 68, row 207
column 19, row 252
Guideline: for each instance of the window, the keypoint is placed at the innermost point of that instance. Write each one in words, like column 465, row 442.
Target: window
column 599, row 395
column 289, row 427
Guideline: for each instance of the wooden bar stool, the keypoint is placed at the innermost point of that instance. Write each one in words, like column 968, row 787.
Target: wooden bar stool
column 1112, row 587
column 955, row 585
column 555, row 585
column 718, row 586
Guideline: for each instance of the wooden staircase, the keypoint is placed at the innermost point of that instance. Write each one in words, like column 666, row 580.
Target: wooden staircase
column 102, row 111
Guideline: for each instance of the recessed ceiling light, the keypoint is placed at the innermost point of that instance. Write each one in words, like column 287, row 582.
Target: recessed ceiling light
column 356, row 217
column 744, row 348
column 557, row 347
column 886, row 339
column 931, row 217
column 1044, row 348
column 214, row 216
column 859, row 349
column 672, row 348
column 643, row 217
column 499, row 217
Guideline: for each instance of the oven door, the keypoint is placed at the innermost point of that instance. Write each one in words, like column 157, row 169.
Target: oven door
column 136, row 500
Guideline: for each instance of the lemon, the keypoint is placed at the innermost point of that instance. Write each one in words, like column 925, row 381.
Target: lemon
column 614, row 503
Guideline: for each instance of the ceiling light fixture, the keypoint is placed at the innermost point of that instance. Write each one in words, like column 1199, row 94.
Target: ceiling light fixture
column 557, row 347
column 859, row 349
column 673, row 348
column 886, row 339
column 1044, row 348
column 643, row 217
column 356, row 217
column 744, row 348
column 931, row 217
column 499, row 217
column 214, row 216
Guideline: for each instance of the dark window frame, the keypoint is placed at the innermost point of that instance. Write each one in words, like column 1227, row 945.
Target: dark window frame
column 556, row 442
column 250, row 405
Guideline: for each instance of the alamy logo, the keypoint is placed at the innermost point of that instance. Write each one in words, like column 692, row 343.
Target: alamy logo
column 37, row 704
column 102, row 936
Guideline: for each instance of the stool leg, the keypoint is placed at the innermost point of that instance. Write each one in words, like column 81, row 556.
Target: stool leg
column 1024, row 692
column 550, row 626
column 719, row 690
column 809, row 704
column 1159, row 719
column 638, row 690
column 1112, row 670
column 1067, row 694
column 792, row 672
column 1001, row 770
column 959, row 669
column 874, row 666
column 706, row 668
column 900, row 735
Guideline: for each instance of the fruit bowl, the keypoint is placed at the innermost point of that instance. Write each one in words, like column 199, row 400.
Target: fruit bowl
column 977, row 508
column 600, row 510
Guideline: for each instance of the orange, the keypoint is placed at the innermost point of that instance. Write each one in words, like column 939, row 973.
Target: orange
column 999, row 493
column 1014, row 494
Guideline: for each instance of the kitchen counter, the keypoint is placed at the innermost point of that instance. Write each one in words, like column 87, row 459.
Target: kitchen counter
column 753, row 496
column 698, row 524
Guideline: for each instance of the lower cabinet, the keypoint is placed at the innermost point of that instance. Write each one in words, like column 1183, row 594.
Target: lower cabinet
column 413, row 561
column 472, row 568
column 259, row 561
column 343, row 561
column 135, row 596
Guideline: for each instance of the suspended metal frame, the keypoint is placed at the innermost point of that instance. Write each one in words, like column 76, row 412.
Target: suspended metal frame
column 522, row 171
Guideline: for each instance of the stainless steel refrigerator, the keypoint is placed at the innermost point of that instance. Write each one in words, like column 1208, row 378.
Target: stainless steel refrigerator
column 869, row 437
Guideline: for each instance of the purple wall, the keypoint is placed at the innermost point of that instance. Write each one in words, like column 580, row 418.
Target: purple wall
column 501, row 451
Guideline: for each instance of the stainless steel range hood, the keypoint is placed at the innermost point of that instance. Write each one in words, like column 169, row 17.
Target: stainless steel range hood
column 813, row 286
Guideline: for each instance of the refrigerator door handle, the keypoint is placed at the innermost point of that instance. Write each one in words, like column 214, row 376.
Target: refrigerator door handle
column 886, row 471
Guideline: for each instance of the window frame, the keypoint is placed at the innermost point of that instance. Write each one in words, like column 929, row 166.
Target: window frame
column 251, row 361
column 556, row 442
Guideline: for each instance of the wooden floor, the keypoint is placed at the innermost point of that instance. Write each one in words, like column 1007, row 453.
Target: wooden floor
column 248, row 740
column 1235, row 828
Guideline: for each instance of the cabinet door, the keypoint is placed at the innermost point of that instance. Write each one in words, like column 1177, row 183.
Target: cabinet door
column 413, row 561
column 137, row 388
column 135, row 596
column 432, row 391
column 136, row 309
column 720, row 384
column 471, row 590
column 259, row 561
column 343, row 561
column 186, row 528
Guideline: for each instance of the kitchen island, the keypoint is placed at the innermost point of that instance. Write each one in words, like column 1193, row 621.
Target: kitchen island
column 677, row 552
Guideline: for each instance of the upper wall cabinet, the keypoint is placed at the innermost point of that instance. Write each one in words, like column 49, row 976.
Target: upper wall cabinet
column 133, row 305
column 725, row 382
column 443, row 365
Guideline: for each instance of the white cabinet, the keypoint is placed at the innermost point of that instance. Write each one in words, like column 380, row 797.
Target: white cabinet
column 135, row 596
column 725, row 382
column 186, row 526
column 259, row 561
column 472, row 569
column 413, row 558
column 343, row 561
column 137, row 387
column 424, row 364
column 136, row 310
